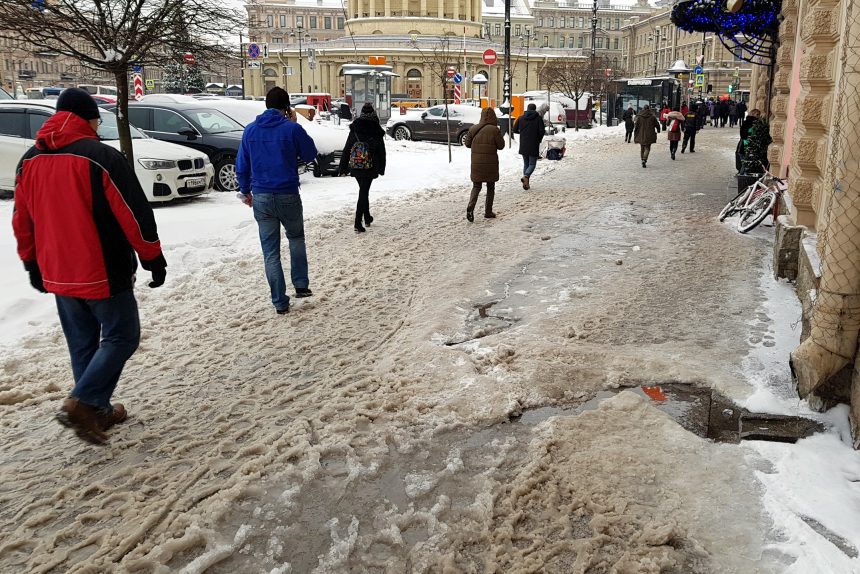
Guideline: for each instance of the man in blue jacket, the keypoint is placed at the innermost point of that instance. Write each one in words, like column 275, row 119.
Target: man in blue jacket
column 267, row 168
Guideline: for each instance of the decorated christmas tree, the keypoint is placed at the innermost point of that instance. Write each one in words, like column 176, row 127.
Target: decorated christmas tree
column 755, row 150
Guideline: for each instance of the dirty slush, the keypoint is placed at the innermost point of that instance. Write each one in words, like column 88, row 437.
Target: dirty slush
column 452, row 400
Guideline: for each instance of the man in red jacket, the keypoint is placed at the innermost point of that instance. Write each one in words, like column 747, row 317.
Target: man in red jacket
column 80, row 216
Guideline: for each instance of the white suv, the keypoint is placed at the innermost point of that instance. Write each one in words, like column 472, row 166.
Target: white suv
column 166, row 171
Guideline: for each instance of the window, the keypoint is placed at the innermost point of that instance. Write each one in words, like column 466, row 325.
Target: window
column 252, row 21
column 140, row 117
column 517, row 31
column 546, row 41
column 599, row 42
column 618, row 23
column 540, row 22
column 270, row 20
column 561, row 41
column 579, row 42
column 313, row 21
column 550, row 22
column 13, row 124
column 327, row 22
column 436, row 111
column 498, row 29
column 300, row 21
column 615, row 44
column 570, row 42
column 581, row 23
column 168, row 122
column 277, row 40
column 340, row 23
column 283, row 21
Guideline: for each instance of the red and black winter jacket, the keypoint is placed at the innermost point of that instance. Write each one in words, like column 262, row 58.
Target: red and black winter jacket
column 80, row 213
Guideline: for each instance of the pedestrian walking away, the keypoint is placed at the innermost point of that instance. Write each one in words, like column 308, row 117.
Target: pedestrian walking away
column 628, row 123
column 80, row 216
column 645, row 132
column 733, row 114
column 485, row 140
column 268, row 173
column 742, row 111
column 675, row 122
column 531, row 129
column 691, row 126
column 363, row 158
column 664, row 114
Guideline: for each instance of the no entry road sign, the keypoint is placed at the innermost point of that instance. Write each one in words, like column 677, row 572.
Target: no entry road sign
column 490, row 56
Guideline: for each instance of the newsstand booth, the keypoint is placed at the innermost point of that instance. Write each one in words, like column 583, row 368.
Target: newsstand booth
column 368, row 83
column 641, row 91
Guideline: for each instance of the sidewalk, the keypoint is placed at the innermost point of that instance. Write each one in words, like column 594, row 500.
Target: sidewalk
column 397, row 421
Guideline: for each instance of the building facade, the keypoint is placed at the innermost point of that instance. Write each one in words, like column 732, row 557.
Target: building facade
column 651, row 45
column 276, row 23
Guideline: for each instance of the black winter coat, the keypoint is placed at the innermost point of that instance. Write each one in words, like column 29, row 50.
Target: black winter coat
column 371, row 133
column 531, row 129
column 628, row 118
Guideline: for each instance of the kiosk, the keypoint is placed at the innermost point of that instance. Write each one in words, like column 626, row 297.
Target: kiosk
column 368, row 83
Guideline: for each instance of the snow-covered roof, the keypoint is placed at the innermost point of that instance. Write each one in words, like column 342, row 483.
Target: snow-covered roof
column 301, row 3
column 519, row 8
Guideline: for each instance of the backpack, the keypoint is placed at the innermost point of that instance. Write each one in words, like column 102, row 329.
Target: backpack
column 359, row 155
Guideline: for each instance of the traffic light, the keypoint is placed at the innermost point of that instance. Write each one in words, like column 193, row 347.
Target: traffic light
column 731, row 88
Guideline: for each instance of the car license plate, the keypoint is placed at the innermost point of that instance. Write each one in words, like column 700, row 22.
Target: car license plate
column 195, row 182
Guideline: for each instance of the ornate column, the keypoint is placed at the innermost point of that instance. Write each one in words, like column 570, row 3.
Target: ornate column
column 456, row 9
column 820, row 33
column 373, row 8
column 441, row 9
column 468, row 10
column 782, row 86
column 387, row 8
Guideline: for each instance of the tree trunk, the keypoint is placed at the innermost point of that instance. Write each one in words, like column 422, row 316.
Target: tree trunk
column 576, row 114
column 121, row 77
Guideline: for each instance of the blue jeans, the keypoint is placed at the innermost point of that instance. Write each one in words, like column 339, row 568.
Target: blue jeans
column 271, row 210
column 529, row 165
column 97, row 365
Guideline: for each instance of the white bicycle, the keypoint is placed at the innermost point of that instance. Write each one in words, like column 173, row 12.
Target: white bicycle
column 755, row 203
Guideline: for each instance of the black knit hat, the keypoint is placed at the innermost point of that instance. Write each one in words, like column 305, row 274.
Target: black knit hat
column 78, row 102
column 278, row 99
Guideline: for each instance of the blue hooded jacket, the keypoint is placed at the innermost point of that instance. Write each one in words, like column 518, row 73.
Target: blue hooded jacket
column 268, row 156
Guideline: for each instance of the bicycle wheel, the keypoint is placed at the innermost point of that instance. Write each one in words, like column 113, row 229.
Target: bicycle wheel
column 734, row 205
column 755, row 213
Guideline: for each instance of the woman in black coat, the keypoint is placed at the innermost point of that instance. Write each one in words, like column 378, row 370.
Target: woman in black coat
column 364, row 130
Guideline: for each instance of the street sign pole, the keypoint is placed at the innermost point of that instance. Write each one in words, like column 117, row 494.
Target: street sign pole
column 506, row 105
column 242, row 51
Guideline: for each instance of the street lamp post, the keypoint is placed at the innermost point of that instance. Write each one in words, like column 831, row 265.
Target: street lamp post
column 527, row 40
column 300, row 35
column 656, row 47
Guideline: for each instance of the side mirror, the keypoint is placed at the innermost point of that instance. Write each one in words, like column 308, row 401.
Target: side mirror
column 188, row 132
column 423, row 115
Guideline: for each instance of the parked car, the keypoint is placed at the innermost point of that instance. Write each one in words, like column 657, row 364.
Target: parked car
column 429, row 124
column 195, row 124
column 165, row 171
column 328, row 139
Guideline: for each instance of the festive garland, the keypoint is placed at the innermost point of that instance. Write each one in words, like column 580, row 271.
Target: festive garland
column 753, row 18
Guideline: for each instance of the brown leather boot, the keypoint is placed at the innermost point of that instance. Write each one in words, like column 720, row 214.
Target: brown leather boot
column 525, row 181
column 83, row 419
column 116, row 416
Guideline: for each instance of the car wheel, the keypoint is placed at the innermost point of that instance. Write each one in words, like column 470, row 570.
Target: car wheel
column 461, row 139
column 402, row 133
column 225, row 175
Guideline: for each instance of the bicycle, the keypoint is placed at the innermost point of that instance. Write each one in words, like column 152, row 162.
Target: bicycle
column 755, row 202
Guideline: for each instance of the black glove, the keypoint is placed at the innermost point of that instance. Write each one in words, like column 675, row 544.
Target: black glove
column 32, row 268
column 158, row 268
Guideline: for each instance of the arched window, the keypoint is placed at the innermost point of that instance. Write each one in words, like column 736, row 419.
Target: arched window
column 414, row 73
column 377, row 32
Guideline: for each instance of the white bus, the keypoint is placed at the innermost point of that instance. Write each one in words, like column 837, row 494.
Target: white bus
column 99, row 90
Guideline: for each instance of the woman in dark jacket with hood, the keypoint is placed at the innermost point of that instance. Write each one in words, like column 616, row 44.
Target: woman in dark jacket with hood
column 366, row 162
column 485, row 140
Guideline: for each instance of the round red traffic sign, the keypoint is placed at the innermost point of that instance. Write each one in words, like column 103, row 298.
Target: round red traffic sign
column 490, row 56
column 451, row 71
